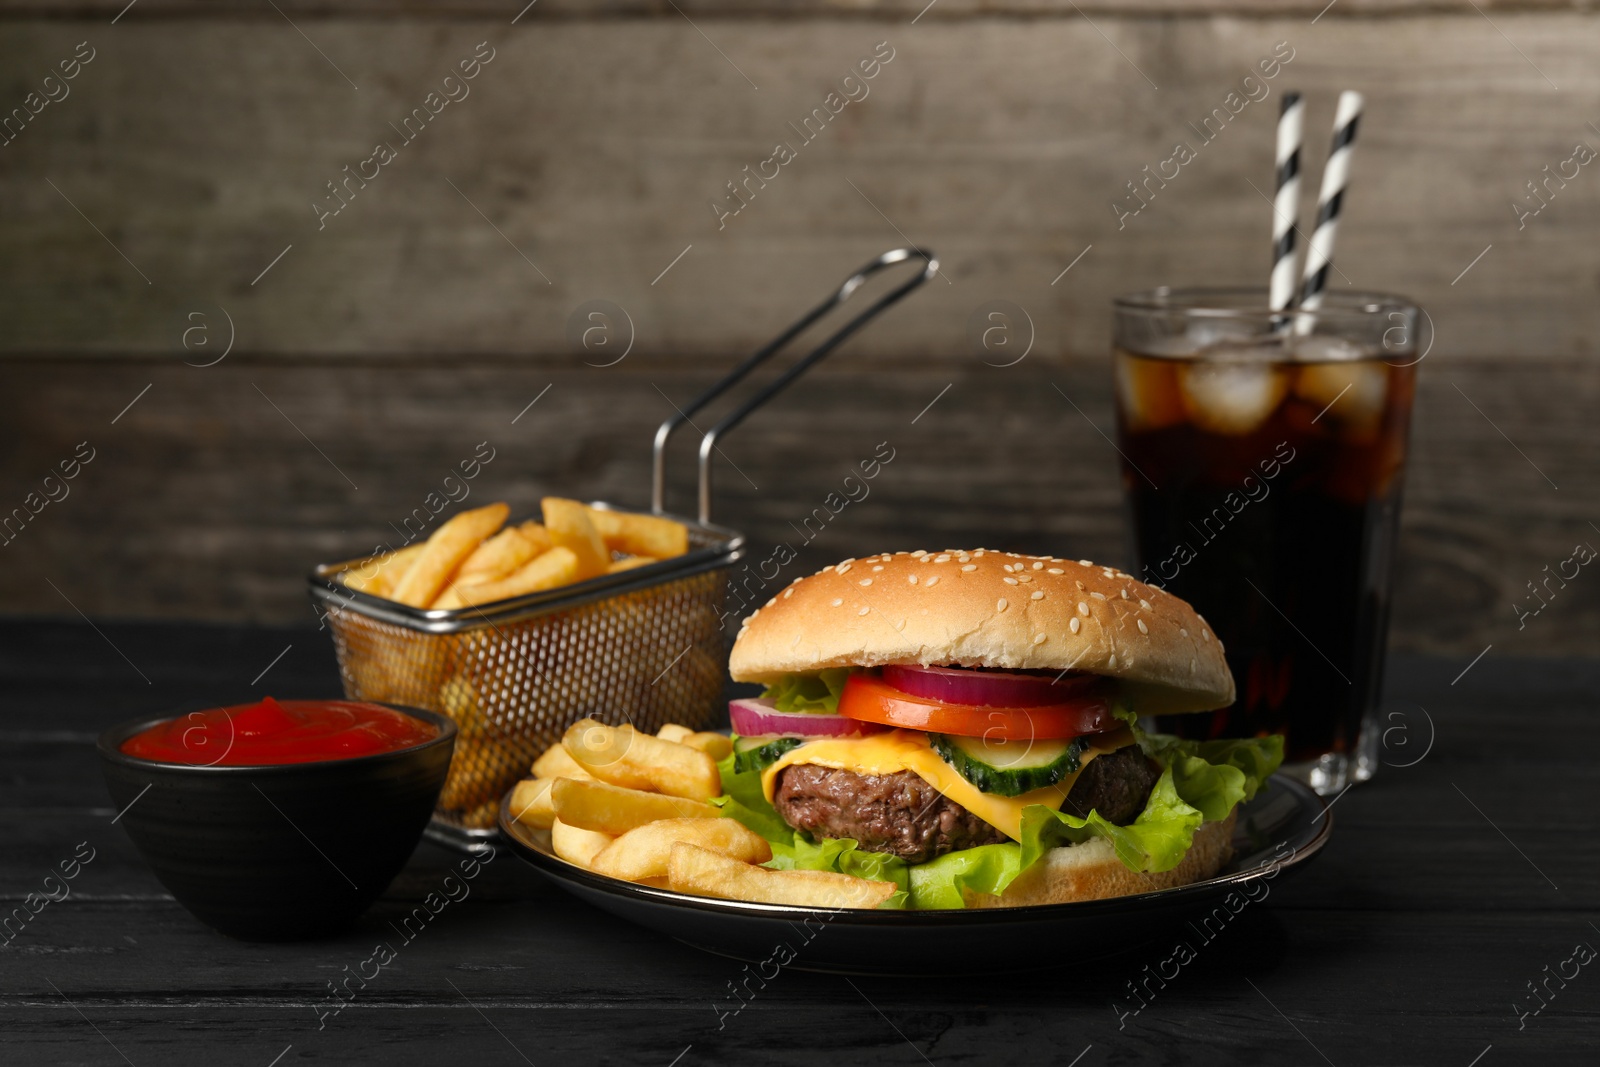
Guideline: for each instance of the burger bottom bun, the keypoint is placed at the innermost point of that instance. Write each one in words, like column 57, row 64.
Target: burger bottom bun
column 1092, row 871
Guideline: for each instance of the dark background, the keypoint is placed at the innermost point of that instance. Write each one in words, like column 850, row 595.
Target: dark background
column 379, row 351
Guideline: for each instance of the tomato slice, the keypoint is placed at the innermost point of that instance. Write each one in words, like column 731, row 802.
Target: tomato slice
column 869, row 698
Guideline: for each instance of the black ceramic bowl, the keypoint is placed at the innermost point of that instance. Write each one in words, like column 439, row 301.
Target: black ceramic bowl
column 284, row 852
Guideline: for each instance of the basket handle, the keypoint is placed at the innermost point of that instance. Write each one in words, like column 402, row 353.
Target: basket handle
column 708, row 443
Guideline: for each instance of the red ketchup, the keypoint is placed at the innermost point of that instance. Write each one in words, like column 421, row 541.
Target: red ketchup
column 279, row 731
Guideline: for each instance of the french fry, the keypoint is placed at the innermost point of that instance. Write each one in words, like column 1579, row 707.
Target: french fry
column 459, row 700
column 576, row 845
column 550, row 570
column 640, row 535
column 380, row 576
column 645, row 852
column 497, row 557
column 557, row 762
column 673, row 732
column 638, row 761
column 628, row 563
column 531, row 804
column 570, row 527
column 705, row 873
column 535, row 532
column 444, row 551
column 713, row 744
column 610, row 809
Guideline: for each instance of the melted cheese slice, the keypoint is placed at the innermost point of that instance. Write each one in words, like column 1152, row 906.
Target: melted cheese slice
column 908, row 750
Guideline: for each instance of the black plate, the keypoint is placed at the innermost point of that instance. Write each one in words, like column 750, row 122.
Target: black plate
column 1277, row 832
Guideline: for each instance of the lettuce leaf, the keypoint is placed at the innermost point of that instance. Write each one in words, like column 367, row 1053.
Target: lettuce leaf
column 743, row 799
column 844, row 855
column 799, row 693
column 1201, row 782
column 943, row 883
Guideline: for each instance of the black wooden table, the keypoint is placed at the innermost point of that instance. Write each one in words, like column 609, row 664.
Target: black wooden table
column 1453, row 888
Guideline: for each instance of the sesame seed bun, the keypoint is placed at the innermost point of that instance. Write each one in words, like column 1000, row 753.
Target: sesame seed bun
column 990, row 609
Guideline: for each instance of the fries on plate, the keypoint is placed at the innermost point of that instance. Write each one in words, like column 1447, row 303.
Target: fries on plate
column 624, row 757
column 576, row 845
column 645, row 851
column 611, row 809
column 706, row 873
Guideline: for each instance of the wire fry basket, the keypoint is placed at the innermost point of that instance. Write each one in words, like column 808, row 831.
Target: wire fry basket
column 646, row 646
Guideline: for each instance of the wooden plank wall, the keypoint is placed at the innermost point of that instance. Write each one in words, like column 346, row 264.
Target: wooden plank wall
column 172, row 191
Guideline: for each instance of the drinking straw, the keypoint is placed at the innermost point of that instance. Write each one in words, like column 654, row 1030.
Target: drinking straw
column 1335, row 176
column 1286, row 201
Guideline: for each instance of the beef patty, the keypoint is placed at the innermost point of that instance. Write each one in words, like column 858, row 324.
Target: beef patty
column 903, row 815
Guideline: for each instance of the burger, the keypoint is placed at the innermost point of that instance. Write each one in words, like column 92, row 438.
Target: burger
column 966, row 723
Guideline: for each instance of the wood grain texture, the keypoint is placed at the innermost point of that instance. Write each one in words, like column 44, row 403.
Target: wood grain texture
column 595, row 148
column 1412, row 933
column 767, row 10
column 215, row 493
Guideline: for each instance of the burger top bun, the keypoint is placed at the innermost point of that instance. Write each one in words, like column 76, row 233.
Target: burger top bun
column 981, row 608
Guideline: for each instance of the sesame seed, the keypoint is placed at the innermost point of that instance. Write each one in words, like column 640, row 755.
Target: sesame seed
column 1038, row 594
column 1098, row 596
column 980, row 552
column 865, row 582
column 1143, row 628
column 787, row 593
column 941, row 559
column 878, row 568
column 932, row 581
column 1204, row 633
column 1080, row 585
column 1009, row 580
column 1083, row 609
column 1024, row 577
column 970, row 567
column 1143, row 603
column 900, row 625
column 912, row 579
column 1056, row 570
column 1038, row 566
column 1085, row 563
column 837, row 601
column 863, row 611
column 1113, row 661
column 963, row 557
column 843, row 568
column 1000, row 605
column 1124, row 593
column 771, row 602
column 919, row 553
column 1075, row 625
column 1038, row 639
column 1182, row 632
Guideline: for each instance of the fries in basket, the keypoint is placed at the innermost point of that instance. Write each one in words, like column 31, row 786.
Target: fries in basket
column 513, row 686
column 475, row 559
column 632, row 806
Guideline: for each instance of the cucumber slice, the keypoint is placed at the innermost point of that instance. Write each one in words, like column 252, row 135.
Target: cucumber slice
column 1009, row 768
column 759, row 753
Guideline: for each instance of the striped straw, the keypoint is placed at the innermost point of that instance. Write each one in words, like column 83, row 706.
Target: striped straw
column 1286, row 203
column 1335, row 176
